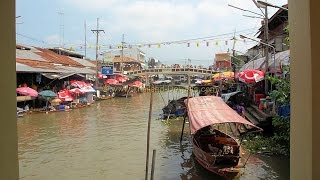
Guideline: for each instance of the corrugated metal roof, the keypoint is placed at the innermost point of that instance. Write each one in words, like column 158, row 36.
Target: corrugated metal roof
column 29, row 54
column 78, row 70
column 56, row 58
column 25, row 68
column 43, row 60
column 83, row 62
column 281, row 57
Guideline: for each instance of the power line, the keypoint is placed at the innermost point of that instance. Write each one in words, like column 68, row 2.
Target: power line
column 31, row 38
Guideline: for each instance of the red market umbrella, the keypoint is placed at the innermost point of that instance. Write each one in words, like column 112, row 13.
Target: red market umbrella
column 121, row 79
column 79, row 84
column 76, row 91
column 137, row 84
column 251, row 76
column 111, row 81
column 64, row 95
column 26, row 91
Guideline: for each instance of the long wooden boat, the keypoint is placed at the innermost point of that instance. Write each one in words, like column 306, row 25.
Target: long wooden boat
column 175, row 108
column 215, row 150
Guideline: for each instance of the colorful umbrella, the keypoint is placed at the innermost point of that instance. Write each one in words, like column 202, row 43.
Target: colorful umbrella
column 27, row 91
column 137, row 84
column 111, row 81
column 76, row 91
column 79, row 84
column 47, row 93
column 65, row 95
column 121, row 79
column 250, row 76
column 223, row 75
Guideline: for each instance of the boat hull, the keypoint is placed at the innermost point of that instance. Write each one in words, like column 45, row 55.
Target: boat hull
column 222, row 164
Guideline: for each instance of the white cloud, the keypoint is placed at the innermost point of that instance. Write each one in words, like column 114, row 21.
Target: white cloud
column 155, row 20
column 93, row 5
column 52, row 39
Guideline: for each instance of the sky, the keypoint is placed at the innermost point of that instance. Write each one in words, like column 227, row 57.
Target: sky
column 142, row 22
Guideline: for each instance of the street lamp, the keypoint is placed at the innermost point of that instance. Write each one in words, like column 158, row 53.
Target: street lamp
column 271, row 5
column 274, row 50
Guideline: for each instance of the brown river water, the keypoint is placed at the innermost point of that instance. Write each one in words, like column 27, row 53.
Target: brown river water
column 108, row 141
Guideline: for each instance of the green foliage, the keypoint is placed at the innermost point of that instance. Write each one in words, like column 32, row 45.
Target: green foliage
column 287, row 39
column 281, row 93
column 263, row 144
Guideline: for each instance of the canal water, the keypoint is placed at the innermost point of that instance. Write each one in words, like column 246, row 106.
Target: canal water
column 108, row 141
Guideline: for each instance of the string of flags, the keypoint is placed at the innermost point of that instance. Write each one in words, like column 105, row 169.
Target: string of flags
column 203, row 43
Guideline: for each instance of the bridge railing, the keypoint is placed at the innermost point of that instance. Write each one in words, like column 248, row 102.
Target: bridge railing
column 172, row 71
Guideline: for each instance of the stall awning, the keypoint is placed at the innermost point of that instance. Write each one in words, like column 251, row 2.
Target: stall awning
column 57, row 75
column 275, row 63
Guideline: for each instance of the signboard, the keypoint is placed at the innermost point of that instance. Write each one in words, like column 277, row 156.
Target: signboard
column 107, row 68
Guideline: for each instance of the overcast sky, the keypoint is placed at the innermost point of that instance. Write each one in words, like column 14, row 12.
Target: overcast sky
column 142, row 21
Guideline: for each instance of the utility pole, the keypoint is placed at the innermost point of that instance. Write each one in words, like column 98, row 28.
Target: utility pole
column 61, row 42
column 85, row 40
column 97, row 31
column 234, row 51
column 266, row 36
column 122, row 44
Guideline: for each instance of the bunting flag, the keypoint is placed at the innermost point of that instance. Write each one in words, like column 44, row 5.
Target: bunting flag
column 149, row 45
column 158, row 45
column 207, row 43
column 197, row 44
column 217, row 43
column 188, row 44
column 226, row 42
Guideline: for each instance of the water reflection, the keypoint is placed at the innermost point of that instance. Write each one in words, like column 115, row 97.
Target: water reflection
column 108, row 141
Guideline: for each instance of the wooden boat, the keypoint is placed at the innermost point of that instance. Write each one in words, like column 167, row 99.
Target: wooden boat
column 49, row 111
column 175, row 108
column 215, row 150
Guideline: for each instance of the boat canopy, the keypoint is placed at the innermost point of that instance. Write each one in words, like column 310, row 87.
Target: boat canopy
column 208, row 110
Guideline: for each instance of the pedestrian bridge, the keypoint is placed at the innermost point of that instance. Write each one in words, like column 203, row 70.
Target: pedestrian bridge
column 173, row 71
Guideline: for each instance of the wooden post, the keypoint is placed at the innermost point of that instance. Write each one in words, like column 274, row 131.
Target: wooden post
column 153, row 163
column 184, row 121
column 148, row 135
column 185, row 115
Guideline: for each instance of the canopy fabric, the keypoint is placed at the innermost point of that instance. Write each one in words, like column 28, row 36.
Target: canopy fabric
column 111, row 81
column 208, row 110
column 250, row 76
column 27, row 91
column 76, row 91
column 87, row 89
column 80, row 84
column 223, row 75
column 47, row 93
column 65, row 95
column 227, row 96
column 275, row 64
column 137, row 84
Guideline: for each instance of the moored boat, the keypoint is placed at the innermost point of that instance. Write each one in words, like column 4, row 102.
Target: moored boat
column 215, row 150
column 175, row 108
